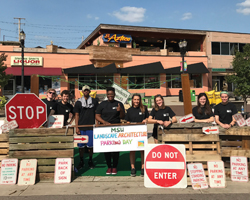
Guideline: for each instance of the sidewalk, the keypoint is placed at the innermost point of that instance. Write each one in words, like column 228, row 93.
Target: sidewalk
column 112, row 185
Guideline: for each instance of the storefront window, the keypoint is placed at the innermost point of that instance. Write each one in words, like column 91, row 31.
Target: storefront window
column 144, row 81
column 87, row 79
column 44, row 84
column 152, row 81
column 136, row 81
column 196, row 80
column 26, row 84
column 104, row 81
column 174, row 80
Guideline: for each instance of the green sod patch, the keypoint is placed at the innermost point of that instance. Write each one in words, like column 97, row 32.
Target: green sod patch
column 100, row 169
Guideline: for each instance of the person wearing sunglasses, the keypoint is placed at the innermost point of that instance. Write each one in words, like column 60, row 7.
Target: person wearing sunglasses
column 50, row 100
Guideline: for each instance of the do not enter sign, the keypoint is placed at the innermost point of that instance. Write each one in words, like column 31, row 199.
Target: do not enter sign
column 165, row 166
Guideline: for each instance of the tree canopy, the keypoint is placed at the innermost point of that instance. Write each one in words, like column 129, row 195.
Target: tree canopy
column 4, row 78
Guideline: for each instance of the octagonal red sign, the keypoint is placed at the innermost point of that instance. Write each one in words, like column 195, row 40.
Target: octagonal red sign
column 27, row 109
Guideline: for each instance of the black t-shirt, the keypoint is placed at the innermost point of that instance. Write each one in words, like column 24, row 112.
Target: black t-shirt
column 86, row 115
column 161, row 114
column 108, row 111
column 202, row 115
column 225, row 112
column 50, row 105
column 135, row 114
column 61, row 109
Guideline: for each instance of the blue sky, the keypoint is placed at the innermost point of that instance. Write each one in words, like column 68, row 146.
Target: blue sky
column 65, row 21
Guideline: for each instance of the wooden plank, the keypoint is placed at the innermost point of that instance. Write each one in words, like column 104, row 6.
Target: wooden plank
column 4, row 151
column 202, row 157
column 190, row 125
column 40, row 132
column 45, row 169
column 240, row 131
column 231, row 143
column 181, row 131
column 189, row 137
column 201, row 152
column 46, row 176
column 49, row 161
column 229, row 153
column 4, row 137
column 41, row 146
column 4, row 145
column 3, row 157
column 41, row 139
column 246, row 142
column 42, row 154
column 190, row 146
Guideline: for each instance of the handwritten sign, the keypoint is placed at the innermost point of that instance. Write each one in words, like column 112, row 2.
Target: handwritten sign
column 248, row 121
column 9, row 171
column 239, row 119
column 239, row 168
column 187, row 118
column 27, row 172
column 216, row 174
column 211, row 130
column 120, row 94
column 63, row 170
column 120, row 138
column 197, row 176
column 56, row 121
column 8, row 126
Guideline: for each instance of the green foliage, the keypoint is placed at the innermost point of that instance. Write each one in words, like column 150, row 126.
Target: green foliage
column 3, row 101
column 3, row 76
column 98, row 42
column 134, row 44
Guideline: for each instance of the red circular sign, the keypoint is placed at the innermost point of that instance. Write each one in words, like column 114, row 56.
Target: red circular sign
column 27, row 109
column 165, row 166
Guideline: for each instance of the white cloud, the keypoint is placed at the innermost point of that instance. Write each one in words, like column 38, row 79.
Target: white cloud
column 244, row 7
column 96, row 18
column 130, row 14
column 186, row 16
column 89, row 16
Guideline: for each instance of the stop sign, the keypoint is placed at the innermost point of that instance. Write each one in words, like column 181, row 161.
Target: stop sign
column 27, row 109
column 165, row 166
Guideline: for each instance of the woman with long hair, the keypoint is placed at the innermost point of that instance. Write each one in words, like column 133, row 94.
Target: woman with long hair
column 160, row 115
column 203, row 112
column 136, row 113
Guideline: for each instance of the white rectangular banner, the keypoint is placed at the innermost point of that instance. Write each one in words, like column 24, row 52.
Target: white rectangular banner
column 121, row 94
column 216, row 172
column 120, row 138
column 28, row 61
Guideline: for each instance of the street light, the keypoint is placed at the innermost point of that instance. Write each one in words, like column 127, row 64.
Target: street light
column 22, row 38
column 183, row 50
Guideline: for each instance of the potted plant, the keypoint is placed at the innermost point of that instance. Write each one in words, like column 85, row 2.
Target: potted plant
column 3, row 101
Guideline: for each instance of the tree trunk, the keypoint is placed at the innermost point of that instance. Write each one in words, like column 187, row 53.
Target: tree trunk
column 245, row 104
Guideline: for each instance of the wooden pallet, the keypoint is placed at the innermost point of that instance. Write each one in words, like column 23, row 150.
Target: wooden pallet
column 200, row 147
column 42, row 144
column 4, row 147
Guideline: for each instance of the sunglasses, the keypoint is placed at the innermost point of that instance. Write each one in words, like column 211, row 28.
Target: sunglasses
column 52, row 93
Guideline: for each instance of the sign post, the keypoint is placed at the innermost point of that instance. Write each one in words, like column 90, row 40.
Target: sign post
column 165, row 166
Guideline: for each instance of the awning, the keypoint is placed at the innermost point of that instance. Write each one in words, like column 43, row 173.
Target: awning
column 151, row 68
column 28, row 71
column 197, row 68
column 91, row 69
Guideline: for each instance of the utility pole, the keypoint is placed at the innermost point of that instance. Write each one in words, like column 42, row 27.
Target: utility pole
column 19, row 25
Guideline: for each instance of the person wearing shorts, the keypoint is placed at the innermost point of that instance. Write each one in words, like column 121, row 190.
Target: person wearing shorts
column 84, row 111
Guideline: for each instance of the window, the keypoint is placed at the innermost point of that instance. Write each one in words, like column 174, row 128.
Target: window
column 44, row 84
column 123, row 45
column 174, row 80
column 241, row 46
column 95, row 81
column 136, row 81
column 87, row 79
column 233, row 48
column 225, row 48
column 216, row 48
column 144, row 81
column 152, row 81
column 196, row 80
column 104, row 81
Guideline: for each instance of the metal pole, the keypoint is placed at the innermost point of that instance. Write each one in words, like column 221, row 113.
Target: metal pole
column 22, row 78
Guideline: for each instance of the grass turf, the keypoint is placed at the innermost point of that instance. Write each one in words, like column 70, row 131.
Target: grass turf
column 100, row 169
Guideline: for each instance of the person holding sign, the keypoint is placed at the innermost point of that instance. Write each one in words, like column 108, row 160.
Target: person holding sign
column 160, row 115
column 203, row 112
column 224, row 112
column 84, row 111
column 50, row 100
column 137, row 113
column 110, row 112
column 63, row 108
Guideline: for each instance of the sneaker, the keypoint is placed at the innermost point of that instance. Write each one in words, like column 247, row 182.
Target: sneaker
column 80, row 166
column 109, row 171
column 91, row 164
column 142, row 172
column 133, row 172
column 114, row 171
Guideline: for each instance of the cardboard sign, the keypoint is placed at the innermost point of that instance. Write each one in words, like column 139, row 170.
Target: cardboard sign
column 9, row 171
column 187, row 119
column 27, row 172
column 1, row 123
column 120, row 138
column 239, row 119
column 216, row 172
column 81, row 139
column 56, row 121
column 120, row 94
column 239, row 168
column 210, row 130
column 197, row 176
column 63, row 170
column 8, row 126
column 248, row 121
column 165, row 166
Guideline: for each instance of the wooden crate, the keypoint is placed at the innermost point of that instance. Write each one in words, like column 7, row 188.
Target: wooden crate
column 200, row 147
column 4, row 147
column 43, row 144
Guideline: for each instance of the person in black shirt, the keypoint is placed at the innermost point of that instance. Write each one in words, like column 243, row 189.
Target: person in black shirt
column 224, row 112
column 64, row 108
column 160, row 115
column 137, row 113
column 50, row 101
column 203, row 112
column 84, row 111
column 110, row 112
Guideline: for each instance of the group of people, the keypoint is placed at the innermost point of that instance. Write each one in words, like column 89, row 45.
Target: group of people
column 87, row 111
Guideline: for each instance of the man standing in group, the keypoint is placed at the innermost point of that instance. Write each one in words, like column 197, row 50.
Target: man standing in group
column 84, row 111
column 64, row 108
column 50, row 100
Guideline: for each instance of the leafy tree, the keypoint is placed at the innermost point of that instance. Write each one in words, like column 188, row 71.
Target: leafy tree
column 4, row 78
column 241, row 75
